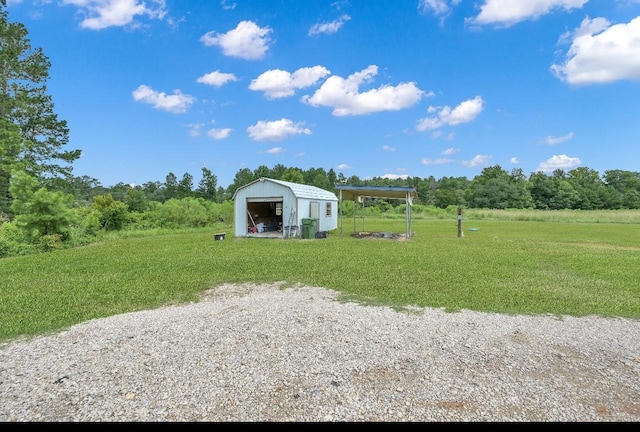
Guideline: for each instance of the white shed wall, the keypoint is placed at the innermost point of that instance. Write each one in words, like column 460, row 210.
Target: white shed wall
column 260, row 190
column 323, row 222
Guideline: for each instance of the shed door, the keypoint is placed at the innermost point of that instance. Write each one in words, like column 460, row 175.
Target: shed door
column 314, row 210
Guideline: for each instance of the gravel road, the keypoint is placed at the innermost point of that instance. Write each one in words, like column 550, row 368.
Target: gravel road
column 264, row 353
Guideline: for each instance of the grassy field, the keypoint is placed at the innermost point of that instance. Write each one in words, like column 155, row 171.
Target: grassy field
column 521, row 262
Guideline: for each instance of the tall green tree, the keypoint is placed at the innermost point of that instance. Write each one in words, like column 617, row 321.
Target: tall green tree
column 589, row 186
column 332, row 177
column 207, row 187
column 262, row 171
column 318, row 177
column 185, row 186
column 626, row 185
column 497, row 189
column 83, row 188
column 242, row 177
column 542, row 189
column 278, row 171
column 450, row 191
column 37, row 135
column 154, row 190
column 293, row 175
column 136, row 200
column 171, row 186
column 520, row 194
column 9, row 148
column 490, row 189
column 119, row 191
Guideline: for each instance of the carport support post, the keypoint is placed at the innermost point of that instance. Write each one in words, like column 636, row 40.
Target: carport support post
column 407, row 214
column 355, row 206
column 460, row 221
column 341, row 212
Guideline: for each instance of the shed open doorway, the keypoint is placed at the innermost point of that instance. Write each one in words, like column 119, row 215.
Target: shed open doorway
column 358, row 193
column 264, row 216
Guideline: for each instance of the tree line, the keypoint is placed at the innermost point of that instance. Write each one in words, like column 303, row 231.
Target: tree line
column 581, row 188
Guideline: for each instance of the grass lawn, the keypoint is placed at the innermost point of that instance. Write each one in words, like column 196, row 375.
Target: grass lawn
column 506, row 262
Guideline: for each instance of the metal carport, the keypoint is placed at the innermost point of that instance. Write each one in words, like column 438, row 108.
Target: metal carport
column 358, row 193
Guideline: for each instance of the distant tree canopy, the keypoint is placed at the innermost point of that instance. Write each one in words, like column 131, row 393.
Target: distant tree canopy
column 580, row 188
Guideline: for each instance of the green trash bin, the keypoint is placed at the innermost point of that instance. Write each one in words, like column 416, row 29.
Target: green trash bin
column 308, row 228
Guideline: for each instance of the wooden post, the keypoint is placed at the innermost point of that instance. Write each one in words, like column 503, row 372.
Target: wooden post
column 460, row 221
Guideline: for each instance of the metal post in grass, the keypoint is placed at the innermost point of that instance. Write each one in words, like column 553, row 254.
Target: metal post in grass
column 460, row 222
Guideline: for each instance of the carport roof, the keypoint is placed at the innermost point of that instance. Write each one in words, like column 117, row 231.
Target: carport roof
column 354, row 193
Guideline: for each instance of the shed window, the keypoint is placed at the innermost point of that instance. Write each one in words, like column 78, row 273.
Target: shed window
column 328, row 211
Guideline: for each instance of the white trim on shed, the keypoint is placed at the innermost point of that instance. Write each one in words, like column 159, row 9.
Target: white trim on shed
column 276, row 208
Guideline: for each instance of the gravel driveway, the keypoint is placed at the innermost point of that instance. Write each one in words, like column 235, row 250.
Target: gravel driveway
column 262, row 353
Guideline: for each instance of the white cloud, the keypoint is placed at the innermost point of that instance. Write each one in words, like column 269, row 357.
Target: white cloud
column 100, row 14
column 227, row 6
column 510, row 12
column 476, row 161
column 343, row 96
column 438, row 7
column 514, row 160
column 450, row 151
column 219, row 134
column 329, row 27
column 276, row 130
column 343, row 166
column 558, row 162
column 439, row 161
column 600, row 53
column 216, row 78
column 275, row 150
column 463, row 113
column 175, row 103
column 395, row 176
column 194, row 129
column 551, row 140
column 278, row 83
column 247, row 41
column 388, row 148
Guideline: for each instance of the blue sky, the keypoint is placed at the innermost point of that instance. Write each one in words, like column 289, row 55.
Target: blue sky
column 386, row 88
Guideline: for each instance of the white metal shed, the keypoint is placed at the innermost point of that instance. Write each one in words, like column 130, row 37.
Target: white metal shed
column 275, row 208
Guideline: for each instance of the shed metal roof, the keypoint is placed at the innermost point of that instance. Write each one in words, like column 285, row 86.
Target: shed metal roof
column 299, row 190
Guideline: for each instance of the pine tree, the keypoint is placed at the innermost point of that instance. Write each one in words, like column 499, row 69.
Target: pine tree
column 37, row 136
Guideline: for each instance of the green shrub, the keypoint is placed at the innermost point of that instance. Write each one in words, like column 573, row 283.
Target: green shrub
column 50, row 242
column 13, row 241
column 112, row 213
column 38, row 211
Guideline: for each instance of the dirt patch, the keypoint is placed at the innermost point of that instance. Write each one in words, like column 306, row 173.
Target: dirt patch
column 380, row 235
